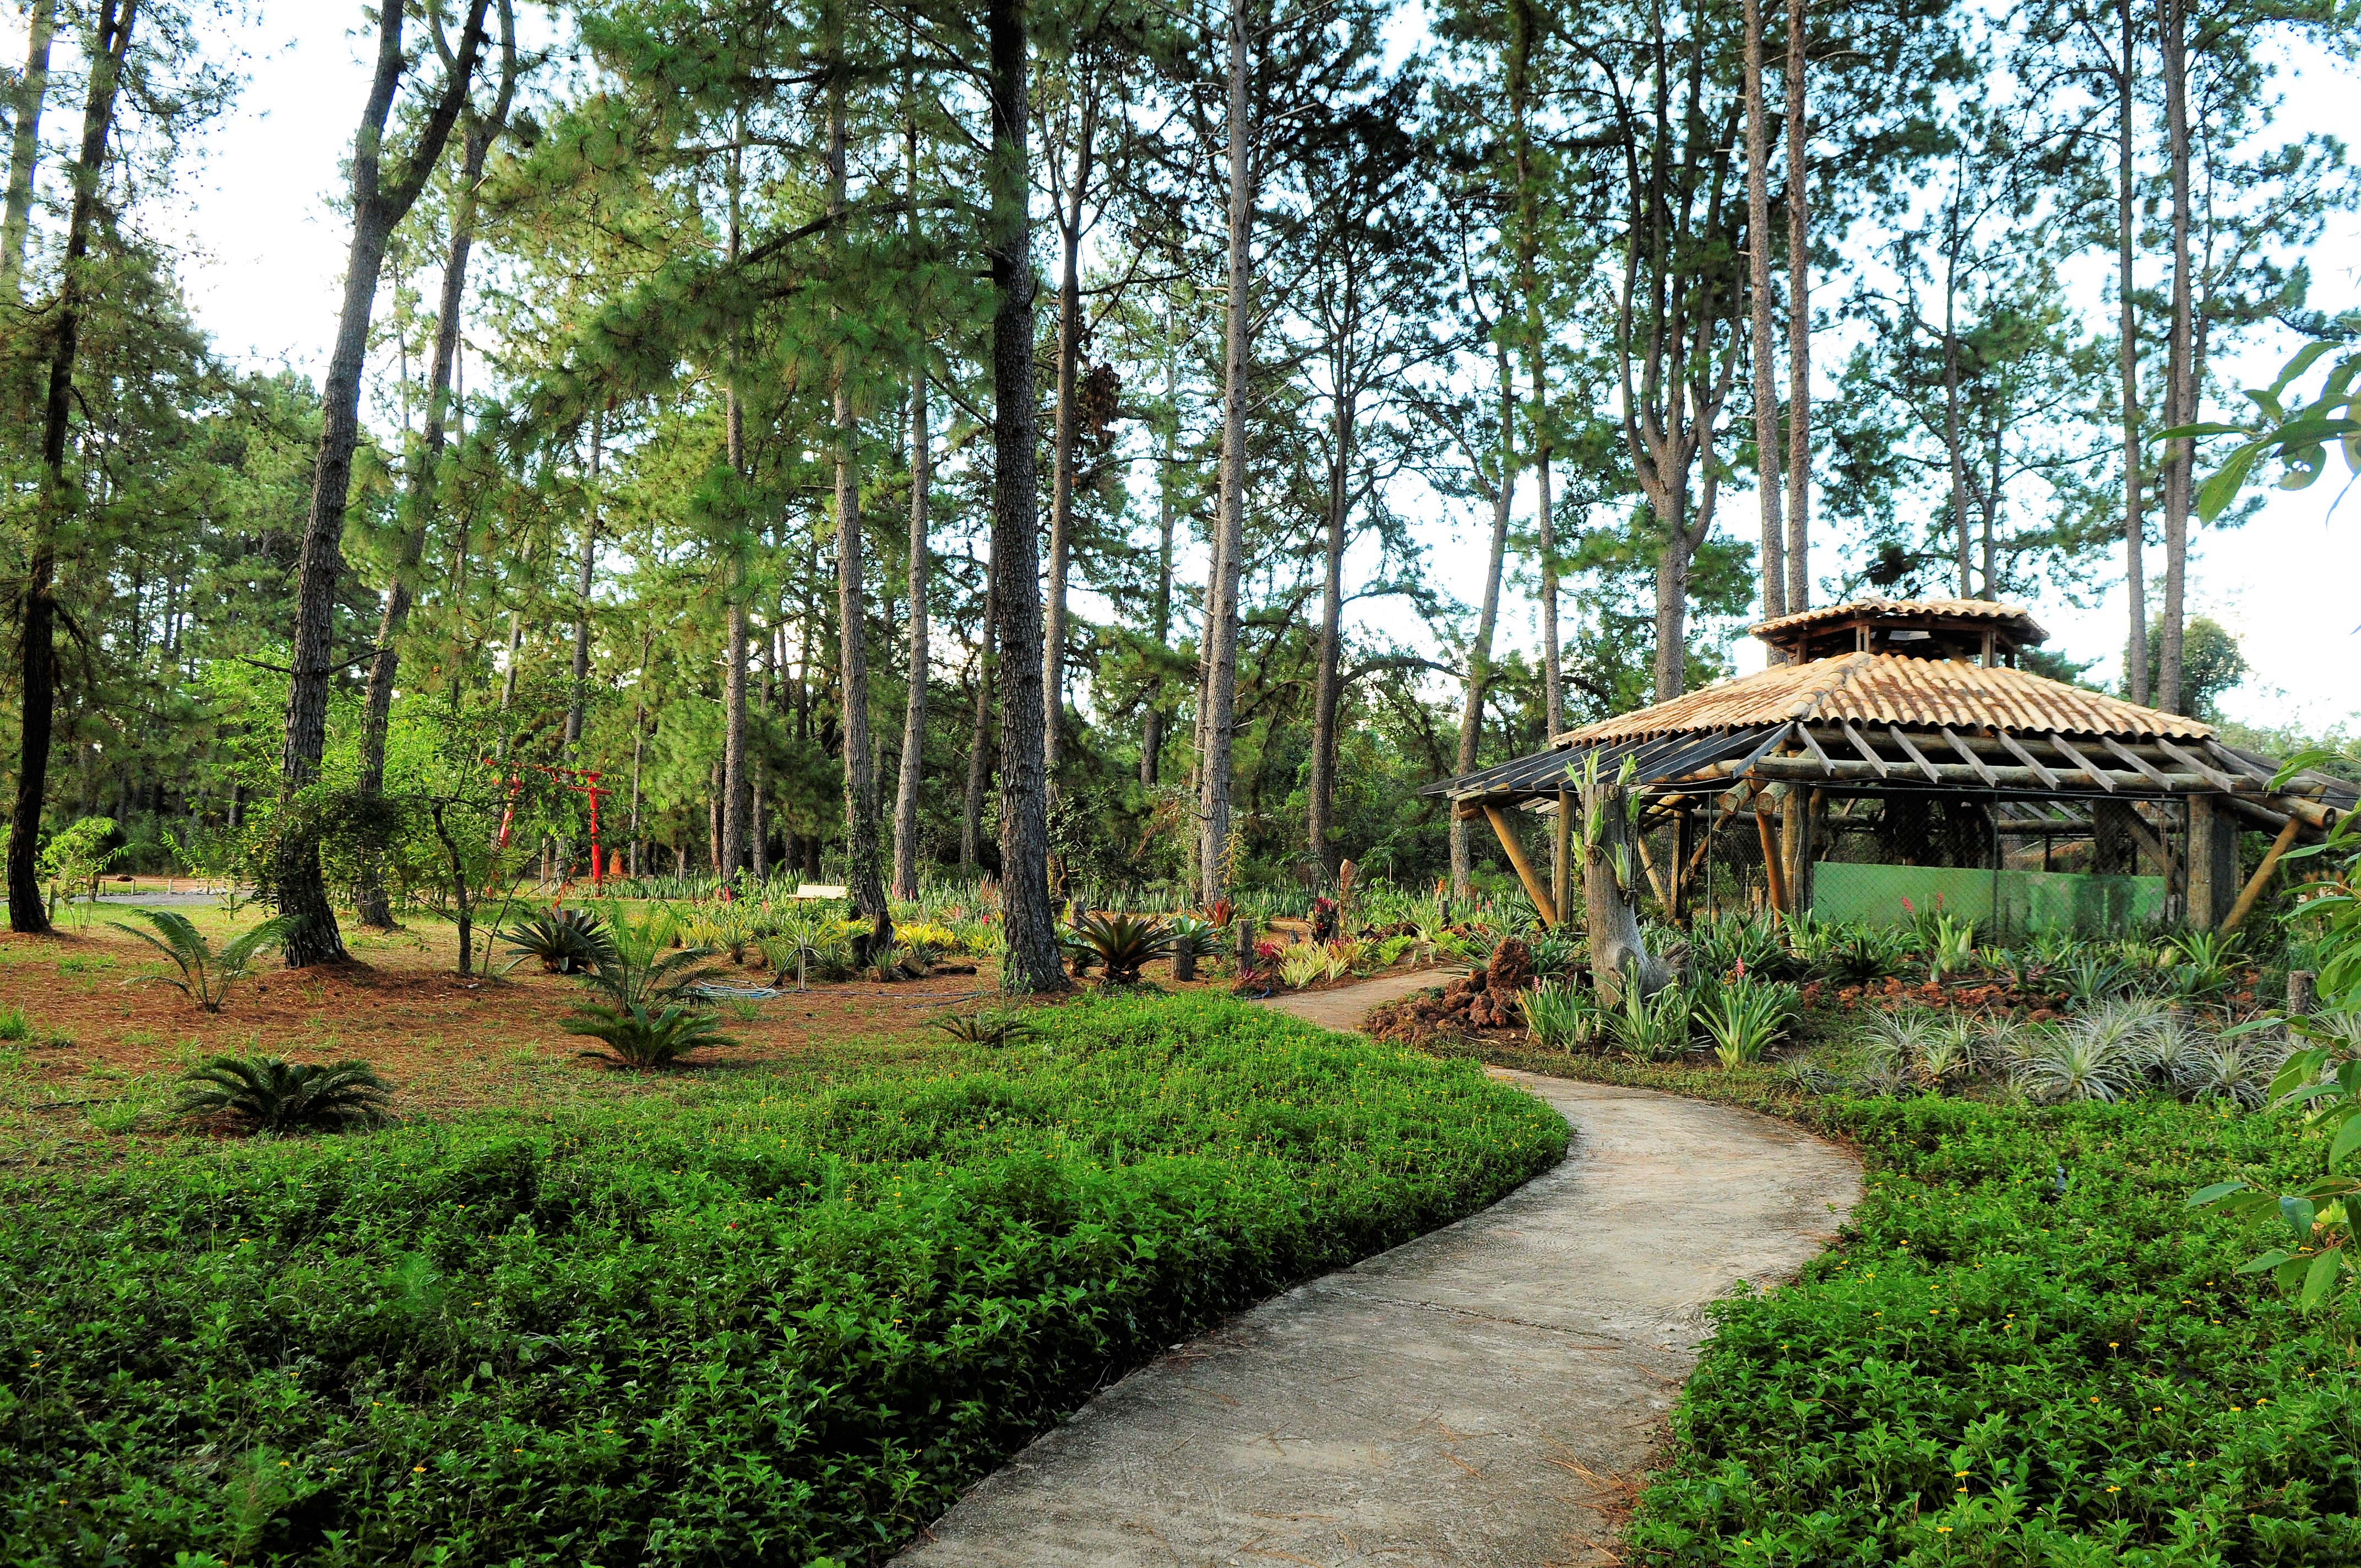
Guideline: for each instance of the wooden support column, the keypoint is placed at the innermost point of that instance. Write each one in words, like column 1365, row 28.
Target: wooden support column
column 1771, row 872
column 1681, row 870
column 1808, row 833
column 2213, row 862
column 1561, row 850
column 2261, row 879
column 1507, row 833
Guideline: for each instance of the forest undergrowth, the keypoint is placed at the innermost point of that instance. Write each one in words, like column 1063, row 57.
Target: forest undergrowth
column 2025, row 1348
column 746, row 1327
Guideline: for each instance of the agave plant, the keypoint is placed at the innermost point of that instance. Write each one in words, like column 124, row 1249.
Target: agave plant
column 636, row 1037
column 205, row 975
column 1747, row 1017
column 1125, row 943
column 276, row 1096
column 1562, row 1017
column 565, row 941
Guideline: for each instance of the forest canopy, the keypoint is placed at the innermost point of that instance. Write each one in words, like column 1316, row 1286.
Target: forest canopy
column 885, row 442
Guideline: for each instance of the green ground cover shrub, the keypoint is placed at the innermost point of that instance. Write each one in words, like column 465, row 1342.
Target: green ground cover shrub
column 742, row 1327
column 1988, row 1370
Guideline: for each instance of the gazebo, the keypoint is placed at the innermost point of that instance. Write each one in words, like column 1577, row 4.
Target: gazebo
column 1897, row 757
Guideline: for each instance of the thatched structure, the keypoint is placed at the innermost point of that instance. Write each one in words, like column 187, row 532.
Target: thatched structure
column 1903, row 733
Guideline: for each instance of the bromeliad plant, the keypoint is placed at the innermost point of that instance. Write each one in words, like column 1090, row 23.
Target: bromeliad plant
column 1123, row 943
column 205, row 976
column 1747, row 1017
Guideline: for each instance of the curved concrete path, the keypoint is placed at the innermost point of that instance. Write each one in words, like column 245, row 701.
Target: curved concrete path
column 1486, row 1394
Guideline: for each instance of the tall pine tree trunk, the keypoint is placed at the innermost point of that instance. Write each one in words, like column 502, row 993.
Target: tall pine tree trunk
column 25, row 148
column 861, row 847
column 2128, row 356
column 378, row 208
column 1328, row 689
column 1031, row 962
column 2180, row 379
column 579, row 688
column 36, row 667
column 1222, row 628
column 1769, row 489
column 1479, row 651
column 1799, row 320
column 1522, row 31
column 914, row 712
column 737, row 798
column 1069, row 429
column 978, row 743
column 1151, row 728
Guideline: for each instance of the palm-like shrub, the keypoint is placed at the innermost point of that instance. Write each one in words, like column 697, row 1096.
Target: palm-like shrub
column 640, row 966
column 636, row 1037
column 564, row 941
column 276, row 1096
column 205, row 975
column 1125, row 943
column 992, row 1029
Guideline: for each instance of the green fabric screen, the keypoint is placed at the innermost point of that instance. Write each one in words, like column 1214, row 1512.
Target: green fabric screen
column 2026, row 901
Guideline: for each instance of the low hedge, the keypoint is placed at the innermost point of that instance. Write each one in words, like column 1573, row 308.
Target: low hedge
column 1990, row 1371
column 747, row 1327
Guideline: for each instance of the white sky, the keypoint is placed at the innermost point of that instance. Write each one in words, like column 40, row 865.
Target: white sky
column 270, row 251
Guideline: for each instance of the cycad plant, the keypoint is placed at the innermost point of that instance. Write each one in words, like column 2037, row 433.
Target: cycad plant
column 643, row 1014
column 992, row 1029
column 276, row 1096
column 206, row 975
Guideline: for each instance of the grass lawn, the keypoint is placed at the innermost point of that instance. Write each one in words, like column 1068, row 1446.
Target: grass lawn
column 1986, row 1371
column 767, row 1315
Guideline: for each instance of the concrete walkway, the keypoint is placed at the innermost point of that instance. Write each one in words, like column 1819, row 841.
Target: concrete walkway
column 1486, row 1394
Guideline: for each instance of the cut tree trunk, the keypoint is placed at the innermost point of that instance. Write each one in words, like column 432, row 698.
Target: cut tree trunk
column 1611, row 869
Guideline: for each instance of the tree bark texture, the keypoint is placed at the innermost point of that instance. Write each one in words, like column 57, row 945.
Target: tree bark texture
column 1032, row 961
column 1768, row 489
column 2127, row 354
column 25, row 148
column 979, row 745
column 2180, row 378
column 1521, row 30
column 578, row 690
column 737, row 798
column 913, row 711
column 1328, row 689
column 1799, row 318
column 36, row 667
column 1611, row 869
column 1069, row 429
column 1222, row 627
column 863, row 871
column 1479, row 651
column 378, row 208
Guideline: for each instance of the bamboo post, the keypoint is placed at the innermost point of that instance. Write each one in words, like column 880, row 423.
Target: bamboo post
column 1648, row 864
column 1533, row 888
column 2254, row 884
column 1773, row 872
column 1681, row 870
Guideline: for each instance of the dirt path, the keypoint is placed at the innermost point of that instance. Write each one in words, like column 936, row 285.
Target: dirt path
column 1345, row 1007
column 1486, row 1394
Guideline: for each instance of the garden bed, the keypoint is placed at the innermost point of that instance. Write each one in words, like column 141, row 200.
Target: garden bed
column 2025, row 1348
column 742, row 1326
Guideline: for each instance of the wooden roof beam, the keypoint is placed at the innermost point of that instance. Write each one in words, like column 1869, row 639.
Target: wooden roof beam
column 1974, row 760
column 1861, row 746
column 2089, row 771
column 2219, row 780
column 2125, row 753
column 1915, row 754
column 2022, row 755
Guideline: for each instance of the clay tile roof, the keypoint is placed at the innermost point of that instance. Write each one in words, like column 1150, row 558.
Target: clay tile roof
column 2019, row 619
column 1887, row 688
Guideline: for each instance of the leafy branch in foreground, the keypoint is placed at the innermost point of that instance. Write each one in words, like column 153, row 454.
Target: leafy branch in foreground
column 205, row 975
column 2326, row 1081
column 2300, row 435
